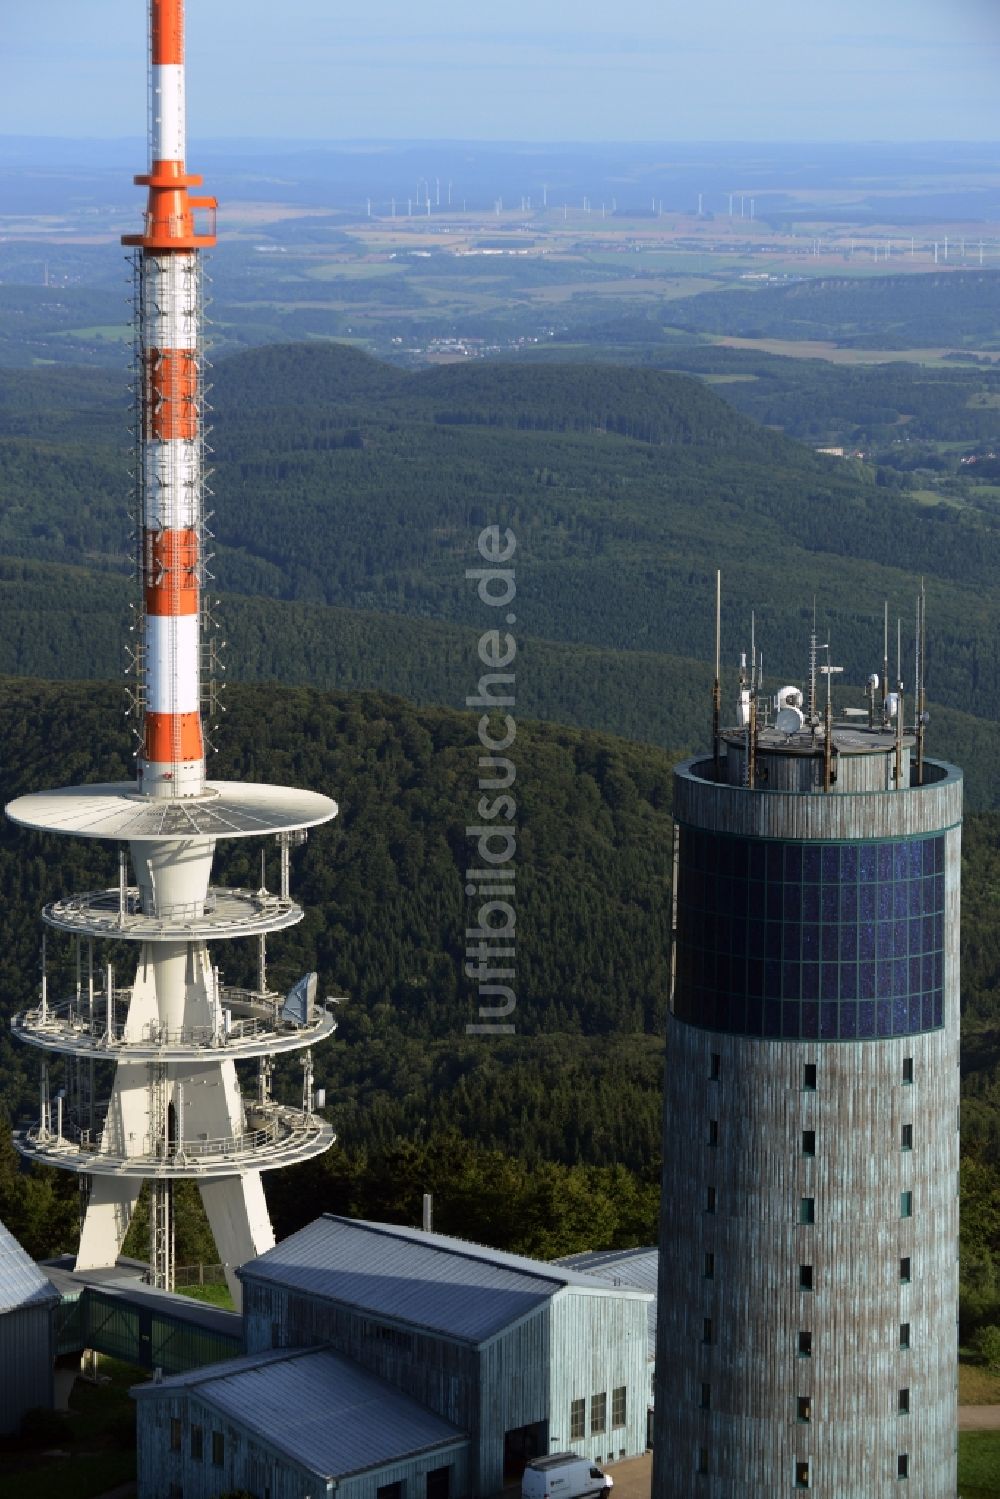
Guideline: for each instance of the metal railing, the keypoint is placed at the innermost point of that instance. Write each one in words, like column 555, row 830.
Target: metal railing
column 246, row 1015
column 267, row 1125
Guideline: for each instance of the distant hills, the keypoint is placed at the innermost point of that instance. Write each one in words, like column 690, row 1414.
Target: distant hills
column 349, row 494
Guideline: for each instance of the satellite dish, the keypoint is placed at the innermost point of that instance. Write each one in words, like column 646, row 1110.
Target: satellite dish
column 301, row 1000
column 789, row 720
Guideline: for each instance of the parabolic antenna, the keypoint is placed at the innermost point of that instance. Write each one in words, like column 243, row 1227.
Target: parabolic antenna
column 300, row 1001
column 789, row 720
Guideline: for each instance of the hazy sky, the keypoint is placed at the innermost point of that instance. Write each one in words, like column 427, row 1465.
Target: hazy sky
column 519, row 69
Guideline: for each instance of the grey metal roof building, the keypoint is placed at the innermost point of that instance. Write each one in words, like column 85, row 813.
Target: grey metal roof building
column 429, row 1280
column 27, row 1302
column 527, row 1357
column 289, row 1423
column 390, row 1363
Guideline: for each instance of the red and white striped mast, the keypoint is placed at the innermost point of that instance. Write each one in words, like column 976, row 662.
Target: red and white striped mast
column 175, row 1109
column 170, row 474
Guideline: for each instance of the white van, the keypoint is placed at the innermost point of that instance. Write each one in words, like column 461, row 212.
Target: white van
column 563, row 1475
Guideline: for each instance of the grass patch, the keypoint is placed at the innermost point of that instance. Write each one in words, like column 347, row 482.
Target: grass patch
column 978, row 1464
column 976, row 1385
column 212, row 1295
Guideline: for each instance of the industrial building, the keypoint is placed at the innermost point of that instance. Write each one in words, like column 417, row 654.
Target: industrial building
column 809, row 1235
column 293, row 1423
column 27, row 1348
column 464, row 1362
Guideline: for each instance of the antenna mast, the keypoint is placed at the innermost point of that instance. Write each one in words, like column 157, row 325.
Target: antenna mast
column 921, row 714
column 885, row 660
column 812, row 669
column 717, row 688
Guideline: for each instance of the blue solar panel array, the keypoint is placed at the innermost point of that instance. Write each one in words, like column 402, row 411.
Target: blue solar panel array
column 821, row 941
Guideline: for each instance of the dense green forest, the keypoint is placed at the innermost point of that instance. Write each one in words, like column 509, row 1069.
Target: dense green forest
column 514, row 1134
column 342, row 482
column 811, row 399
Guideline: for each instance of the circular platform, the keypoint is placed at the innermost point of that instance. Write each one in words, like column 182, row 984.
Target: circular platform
column 275, row 1136
column 255, row 1030
column 226, row 913
column 227, row 809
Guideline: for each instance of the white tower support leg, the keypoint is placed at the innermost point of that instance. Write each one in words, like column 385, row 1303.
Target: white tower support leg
column 109, row 1212
column 240, row 1224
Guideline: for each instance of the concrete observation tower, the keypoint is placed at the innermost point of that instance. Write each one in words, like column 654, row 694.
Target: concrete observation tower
column 808, row 1292
column 175, row 1033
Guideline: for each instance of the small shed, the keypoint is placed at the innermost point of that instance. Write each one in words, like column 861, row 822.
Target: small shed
column 27, row 1305
column 293, row 1424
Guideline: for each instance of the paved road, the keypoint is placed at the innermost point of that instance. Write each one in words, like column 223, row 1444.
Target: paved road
column 632, row 1477
column 979, row 1418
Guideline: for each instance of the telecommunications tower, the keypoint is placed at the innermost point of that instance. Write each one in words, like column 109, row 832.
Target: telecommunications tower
column 807, row 1332
column 175, row 1034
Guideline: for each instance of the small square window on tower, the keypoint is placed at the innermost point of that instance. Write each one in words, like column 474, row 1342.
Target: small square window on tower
column 715, row 1070
column 805, row 1344
column 807, row 1210
column 710, row 1200
column 904, row 1270
column 706, row 1397
column 903, row 1465
column 805, row 1277
column 907, row 1069
column 906, row 1137
column 906, row 1204
column 904, row 1403
column 904, row 1335
column 804, row 1408
column 709, row 1271
column 713, row 1132
column 808, row 1142
column 702, row 1460
column 809, row 1077
column 706, row 1330
column 802, row 1476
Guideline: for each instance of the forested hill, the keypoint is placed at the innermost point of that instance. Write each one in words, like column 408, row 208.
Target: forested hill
column 316, row 381
column 342, row 482
column 882, row 312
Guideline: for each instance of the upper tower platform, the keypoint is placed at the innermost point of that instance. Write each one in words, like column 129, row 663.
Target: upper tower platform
column 226, row 809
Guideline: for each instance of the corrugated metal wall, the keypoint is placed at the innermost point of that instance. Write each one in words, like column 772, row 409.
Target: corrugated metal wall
column 26, row 1352
column 599, row 1344
column 148, row 1337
